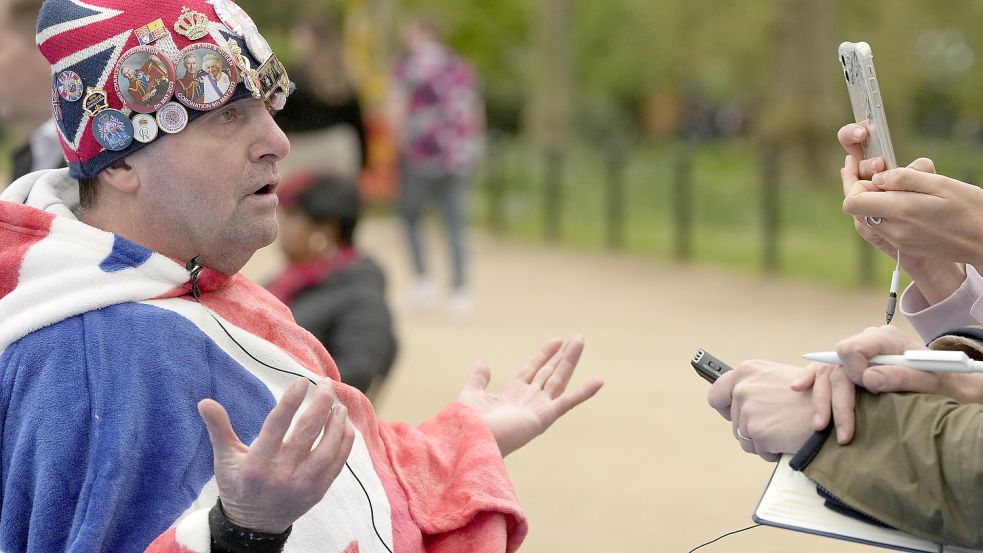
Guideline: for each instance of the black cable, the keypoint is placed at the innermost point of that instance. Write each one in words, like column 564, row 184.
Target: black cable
column 718, row 538
column 195, row 270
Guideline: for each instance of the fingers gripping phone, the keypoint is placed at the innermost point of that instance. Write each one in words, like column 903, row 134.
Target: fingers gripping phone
column 708, row 366
column 857, row 61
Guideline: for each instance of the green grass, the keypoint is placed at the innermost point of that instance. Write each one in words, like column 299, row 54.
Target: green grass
column 817, row 242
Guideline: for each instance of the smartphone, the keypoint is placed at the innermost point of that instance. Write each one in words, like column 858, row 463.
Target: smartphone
column 708, row 366
column 857, row 61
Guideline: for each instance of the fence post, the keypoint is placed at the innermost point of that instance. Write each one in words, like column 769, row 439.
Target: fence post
column 553, row 194
column 682, row 202
column 770, row 210
column 616, row 195
column 497, row 181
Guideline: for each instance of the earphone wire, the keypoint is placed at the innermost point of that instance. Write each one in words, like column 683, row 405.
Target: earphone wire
column 718, row 538
column 196, row 269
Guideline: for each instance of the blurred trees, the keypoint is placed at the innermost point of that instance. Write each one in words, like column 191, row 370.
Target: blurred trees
column 661, row 69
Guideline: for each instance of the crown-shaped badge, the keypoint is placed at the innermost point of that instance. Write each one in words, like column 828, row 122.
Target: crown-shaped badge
column 191, row 24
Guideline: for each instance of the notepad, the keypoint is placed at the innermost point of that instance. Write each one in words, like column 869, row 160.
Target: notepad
column 790, row 501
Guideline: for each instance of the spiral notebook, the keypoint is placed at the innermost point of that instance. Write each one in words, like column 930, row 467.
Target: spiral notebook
column 790, row 501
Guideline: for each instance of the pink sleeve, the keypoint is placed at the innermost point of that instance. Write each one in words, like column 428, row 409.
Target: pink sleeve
column 960, row 309
column 459, row 493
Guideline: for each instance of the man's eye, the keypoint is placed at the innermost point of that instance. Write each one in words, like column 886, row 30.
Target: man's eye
column 229, row 115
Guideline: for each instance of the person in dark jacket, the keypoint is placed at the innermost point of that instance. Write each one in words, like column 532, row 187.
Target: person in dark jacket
column 333, row 291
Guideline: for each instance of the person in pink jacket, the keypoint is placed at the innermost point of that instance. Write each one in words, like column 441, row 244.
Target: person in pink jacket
column 153, row 398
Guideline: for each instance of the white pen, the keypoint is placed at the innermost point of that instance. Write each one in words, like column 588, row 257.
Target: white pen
column 921, row 359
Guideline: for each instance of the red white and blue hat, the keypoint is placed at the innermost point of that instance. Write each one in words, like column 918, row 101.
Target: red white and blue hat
column 130, row 54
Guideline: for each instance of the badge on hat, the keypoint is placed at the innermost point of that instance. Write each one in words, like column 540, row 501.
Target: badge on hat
column 239, row 22
column 95, row 101
column 191, row 24
column 112, row 129
column 55, row 104
column 151, row 32
column 70, row 86
column 144, row 79
column 272, row 76
column 144, row 127
column 172, row 118
column 207, row 76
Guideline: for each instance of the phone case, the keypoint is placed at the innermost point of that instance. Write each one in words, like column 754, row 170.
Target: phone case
column 857, row 60
column 708, row 366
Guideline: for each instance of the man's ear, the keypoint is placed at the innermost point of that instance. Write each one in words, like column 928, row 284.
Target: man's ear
column 121, row 176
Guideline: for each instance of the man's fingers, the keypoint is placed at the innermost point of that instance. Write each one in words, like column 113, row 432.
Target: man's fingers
column 852, row 137
column 527, row 372
column 558, row 381
column 220, row 432
column 546, row 370
column 309, row 425
column 572, row 399
column 909, row 180
column 331, row 453
column 278, row 421
column 923, row 164
column 844, row 396
column 478, row 377
column 893, row 378
column 720, row 396
column 821, row 398
column 870, row 166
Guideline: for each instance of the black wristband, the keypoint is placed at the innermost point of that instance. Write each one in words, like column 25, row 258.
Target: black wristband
column 232, row 538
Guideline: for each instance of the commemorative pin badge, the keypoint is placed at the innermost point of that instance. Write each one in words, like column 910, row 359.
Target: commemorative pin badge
column 206, row 76
column 272, row 75
column 233, row 16
column 144, row 127
column 144, row 79
column 56, row 104
column 70, row 86
column 151, row 32
column 191, row 24
column 172, row 118
column 95, row 101
column 112, row 129
column 258, row 46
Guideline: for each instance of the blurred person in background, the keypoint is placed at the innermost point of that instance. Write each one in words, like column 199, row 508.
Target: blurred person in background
column 324, row 116
column 438, row 115
column 333, row 291
column 26, row 93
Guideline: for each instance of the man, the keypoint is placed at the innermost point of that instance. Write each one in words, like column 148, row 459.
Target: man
column 438, row 114
column 121, row 311
column 25, row 88
column 191, row 83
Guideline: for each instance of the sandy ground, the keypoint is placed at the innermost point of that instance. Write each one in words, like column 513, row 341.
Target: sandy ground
column 646, row 465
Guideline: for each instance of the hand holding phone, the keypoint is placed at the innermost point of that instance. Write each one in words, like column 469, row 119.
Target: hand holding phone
column 708, row 366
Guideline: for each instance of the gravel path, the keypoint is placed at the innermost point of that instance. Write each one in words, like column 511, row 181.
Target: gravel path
column 646, row 466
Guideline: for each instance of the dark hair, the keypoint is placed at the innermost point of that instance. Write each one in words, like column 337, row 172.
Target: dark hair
column 331, row 198
column 87, row 191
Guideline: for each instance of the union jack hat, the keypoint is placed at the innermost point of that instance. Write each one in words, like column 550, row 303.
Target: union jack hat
column 93, row 39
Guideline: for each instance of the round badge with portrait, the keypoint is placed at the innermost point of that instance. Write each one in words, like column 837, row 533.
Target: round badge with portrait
column 172, row 118
column 112, row 130
column 206, row 76
column 144, row 127
column 144, row 79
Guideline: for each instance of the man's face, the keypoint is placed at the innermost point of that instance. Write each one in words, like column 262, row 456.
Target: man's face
column 25, row 77
column 191, row 65
column 128, row 73
column 210, row 189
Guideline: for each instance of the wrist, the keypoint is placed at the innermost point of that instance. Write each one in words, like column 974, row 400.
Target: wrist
column 937, row 280
column 228, row 537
